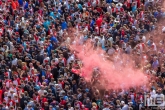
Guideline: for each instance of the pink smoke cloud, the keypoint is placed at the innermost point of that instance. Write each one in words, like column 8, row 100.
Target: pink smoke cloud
column 113, row 74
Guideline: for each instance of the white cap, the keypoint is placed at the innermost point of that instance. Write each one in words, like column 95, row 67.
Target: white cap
column 122, row 102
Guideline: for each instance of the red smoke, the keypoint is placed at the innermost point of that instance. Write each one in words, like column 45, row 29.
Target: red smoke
column 116, row 74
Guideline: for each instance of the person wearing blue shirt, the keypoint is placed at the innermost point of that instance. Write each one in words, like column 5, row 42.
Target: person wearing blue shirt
column 29, row 107
column 5, row 21
column 63, row 25
column 45, row 80
column 134, row 7
column 50, row 46
column 43, row 73
column 80, row 6
column 92, row 23
column 111, row 24
column 125, row 39
column 18, row 40
column 26, row 5
column 52, row 15
column 20, row 2
column 51, row 107
column 65, row 97
column 48, row 50
column 53, row 39
column 55, row 14
column 60, row 11
column 46, row 25
column 156, row 14
column 108, row 1
column 58, row 15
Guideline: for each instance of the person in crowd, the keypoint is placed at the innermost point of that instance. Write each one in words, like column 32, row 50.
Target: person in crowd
column 39, row 71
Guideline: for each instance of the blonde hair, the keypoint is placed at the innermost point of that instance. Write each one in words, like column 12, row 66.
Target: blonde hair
column 118, row 102
column 94, row 104
column 23, row 63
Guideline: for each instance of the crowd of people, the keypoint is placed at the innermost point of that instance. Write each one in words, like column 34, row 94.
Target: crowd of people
column 36, row 70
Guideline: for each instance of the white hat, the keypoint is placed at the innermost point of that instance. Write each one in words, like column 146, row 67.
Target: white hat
column 97, row 38
column 119, row 5
column 115, row 0
column 150, row 0
column 116, row 21
column 130, row 103
column 122, row 102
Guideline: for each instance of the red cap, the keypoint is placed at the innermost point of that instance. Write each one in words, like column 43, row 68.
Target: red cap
column 121, row 41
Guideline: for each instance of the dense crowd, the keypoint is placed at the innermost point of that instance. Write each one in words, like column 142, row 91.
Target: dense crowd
column 36, row 71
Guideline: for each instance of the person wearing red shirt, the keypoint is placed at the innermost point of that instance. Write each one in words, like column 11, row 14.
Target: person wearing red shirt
column 20, row 90
column 7, row 82
column 62, row 101
column 14, row 6
column 1, row 95
column 16, row 3
column 16, row 81
column 138, row 3
column 61, row 82
column 43, row 101
column 10, row 102
column 16, row 99
column 36, row 97
column 99, row 10
column 119, row 8
column 78, row 104
column 35, row 78
column 49, row 75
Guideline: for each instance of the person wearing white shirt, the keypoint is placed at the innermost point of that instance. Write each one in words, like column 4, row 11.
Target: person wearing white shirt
column 159, row 97
column 153, row 93
column 125, row 107
column 107, row 107
column 14, row 61
column 61, row 32
column 42, row 50
column 6, row 96
column 42, row 91
column 109, row 9
column 71, row 58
